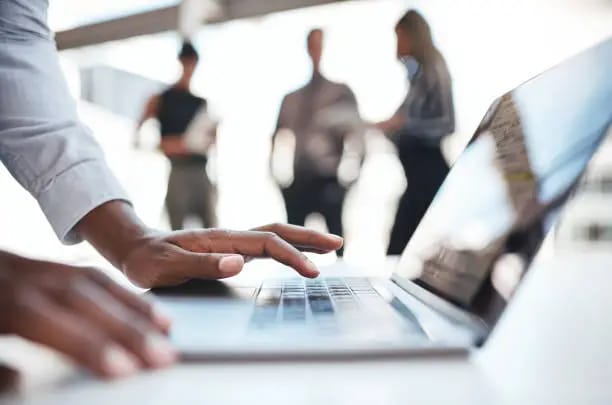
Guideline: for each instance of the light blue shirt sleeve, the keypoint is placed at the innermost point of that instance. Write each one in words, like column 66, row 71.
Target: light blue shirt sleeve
column 43, row 144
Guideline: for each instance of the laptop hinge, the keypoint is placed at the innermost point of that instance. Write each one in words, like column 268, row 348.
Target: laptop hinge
column 451, row 312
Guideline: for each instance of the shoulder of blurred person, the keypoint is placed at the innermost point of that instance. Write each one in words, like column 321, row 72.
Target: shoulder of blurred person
column 437, row 72
column 330, row 92
column 341, row 90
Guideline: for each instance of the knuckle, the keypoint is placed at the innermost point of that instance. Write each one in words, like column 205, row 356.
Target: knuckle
column 275, row 226
column 87, row 349
column 143, row 304
column 134, row 333
column 78, row 281
column 97, row 276
column 204, row 261
column 23, row 298
column 17, row 307
column 269, row 236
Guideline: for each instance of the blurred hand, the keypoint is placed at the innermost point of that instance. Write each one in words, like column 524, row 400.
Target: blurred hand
column 83, row 314
column 390, row 126
column 173, row 258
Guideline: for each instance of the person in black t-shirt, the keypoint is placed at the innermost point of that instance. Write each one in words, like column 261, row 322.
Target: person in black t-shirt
column 190, row 191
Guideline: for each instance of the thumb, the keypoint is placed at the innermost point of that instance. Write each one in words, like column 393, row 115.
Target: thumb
column 210, row 265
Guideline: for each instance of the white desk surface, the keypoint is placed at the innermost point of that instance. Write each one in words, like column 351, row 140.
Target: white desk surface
column 553, row 345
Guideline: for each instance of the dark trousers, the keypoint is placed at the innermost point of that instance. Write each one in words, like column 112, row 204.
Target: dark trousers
column 190, row 192
column 316, row 195
column 425, row 169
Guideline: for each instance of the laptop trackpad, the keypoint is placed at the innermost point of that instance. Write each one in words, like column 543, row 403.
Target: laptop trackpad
column 206, row 289
column 206, row 312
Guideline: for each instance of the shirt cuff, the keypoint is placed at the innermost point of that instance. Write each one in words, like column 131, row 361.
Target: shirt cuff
column 76, row 192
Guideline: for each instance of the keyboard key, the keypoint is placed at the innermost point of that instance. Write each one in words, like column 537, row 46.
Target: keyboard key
column 294, row 309
column 321, row 306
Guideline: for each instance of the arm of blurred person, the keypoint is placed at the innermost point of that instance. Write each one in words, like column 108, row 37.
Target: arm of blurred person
column 354, row 142
column 280, row 124
column 176, row 145
column 83, row 314
column 173, row 146
column 392, row 125
column 169, row 145
column 150, row 111
column 438, row 125
column 435, row 126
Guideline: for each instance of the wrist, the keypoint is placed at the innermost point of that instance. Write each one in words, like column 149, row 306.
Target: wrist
column 115, row 231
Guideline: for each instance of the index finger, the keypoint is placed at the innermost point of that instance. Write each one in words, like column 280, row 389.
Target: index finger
column 252, row 244
column 305, row 239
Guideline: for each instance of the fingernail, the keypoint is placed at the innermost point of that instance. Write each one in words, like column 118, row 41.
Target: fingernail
column 158, row 351
column 336, row 238
column 312, row 268
column 161, row 319
column 117, row 362
column 231, row 264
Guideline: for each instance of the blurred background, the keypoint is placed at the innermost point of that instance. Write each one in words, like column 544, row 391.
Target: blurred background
column 116, row 54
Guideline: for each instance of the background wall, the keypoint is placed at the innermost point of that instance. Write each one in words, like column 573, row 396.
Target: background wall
column 247, row 65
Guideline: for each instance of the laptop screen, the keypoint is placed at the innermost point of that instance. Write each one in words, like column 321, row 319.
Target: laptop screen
column 504, row 192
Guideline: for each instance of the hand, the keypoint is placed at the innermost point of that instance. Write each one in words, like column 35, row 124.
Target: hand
column 392, row 125
column 173, row 258
column 173, row 146
column 154, row 259
column 83, row 314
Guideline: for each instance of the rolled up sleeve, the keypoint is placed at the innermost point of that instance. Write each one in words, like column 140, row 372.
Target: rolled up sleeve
column 42, row 142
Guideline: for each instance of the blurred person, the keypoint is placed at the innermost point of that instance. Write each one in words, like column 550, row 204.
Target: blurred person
column 79, row 311
column 324, row 118
column 420, row 124
column 190, row 190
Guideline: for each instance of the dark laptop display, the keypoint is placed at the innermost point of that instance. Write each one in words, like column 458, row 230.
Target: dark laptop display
column 503, row 194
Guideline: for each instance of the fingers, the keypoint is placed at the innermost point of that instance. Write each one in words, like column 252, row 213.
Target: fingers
column 269, row 244
column 209, row 265
column 43, row 321
column 260, row 244
column 133, row 301
column 205, row 253
column 132, row 330
column 307, row 240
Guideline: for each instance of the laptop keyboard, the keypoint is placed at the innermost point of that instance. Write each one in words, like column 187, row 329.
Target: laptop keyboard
column 326, row 302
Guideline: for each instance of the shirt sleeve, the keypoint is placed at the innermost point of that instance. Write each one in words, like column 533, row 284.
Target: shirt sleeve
column 438, row 125
column 42, row 142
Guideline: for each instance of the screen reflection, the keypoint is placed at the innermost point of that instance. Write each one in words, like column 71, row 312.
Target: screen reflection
column 503, row 194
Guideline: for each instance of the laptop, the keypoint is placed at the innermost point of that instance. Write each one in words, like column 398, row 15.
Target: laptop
column 465, row 262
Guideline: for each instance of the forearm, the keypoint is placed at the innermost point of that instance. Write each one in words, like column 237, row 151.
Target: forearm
column 114, row 230
column 173, row 145
column 430, row 127
column 392, row 125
